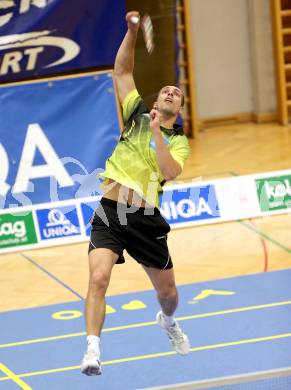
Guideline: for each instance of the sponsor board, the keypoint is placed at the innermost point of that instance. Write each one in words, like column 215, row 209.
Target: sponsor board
column 183, row 205
column 41, row 37
column 38, row 166
column 87, row 213
column 17, row 230
column 58, row 222
column 237, row 197
column 274, row 193
column 189, row 204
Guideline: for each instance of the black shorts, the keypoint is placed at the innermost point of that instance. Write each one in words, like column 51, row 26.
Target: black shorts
column 144, row 237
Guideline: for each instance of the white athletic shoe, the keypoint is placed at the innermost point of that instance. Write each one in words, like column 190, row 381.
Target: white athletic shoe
column 178, row 339
column 91, row 364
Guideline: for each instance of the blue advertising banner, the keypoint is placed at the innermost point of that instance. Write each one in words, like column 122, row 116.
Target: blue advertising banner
column 54, row 138
column 41, row 37
column 189, row 204
column 87, row 213
column 58, row 222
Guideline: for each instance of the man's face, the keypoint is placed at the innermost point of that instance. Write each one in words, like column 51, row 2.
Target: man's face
column 169, row 100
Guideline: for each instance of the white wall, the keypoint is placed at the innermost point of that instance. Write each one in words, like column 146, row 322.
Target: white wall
column 229, row 50
column 263, row 75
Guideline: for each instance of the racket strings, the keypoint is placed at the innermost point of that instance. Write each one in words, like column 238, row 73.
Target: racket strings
column 148, row 32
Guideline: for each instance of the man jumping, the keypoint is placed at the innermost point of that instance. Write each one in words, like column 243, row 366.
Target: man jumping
column 152, row 149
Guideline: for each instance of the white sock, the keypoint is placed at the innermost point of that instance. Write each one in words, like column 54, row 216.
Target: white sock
column 169, row 320
column 93, row 343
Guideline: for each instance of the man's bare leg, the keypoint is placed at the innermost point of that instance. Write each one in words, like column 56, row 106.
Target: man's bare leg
column 101, row 262
column 164, row 284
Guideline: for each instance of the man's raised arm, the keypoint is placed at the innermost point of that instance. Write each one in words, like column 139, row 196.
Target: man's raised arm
column 124, row 61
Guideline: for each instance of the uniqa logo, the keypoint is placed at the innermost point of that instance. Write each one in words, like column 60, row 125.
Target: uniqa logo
column 58, row 225
column 56, row 217
column 185, row 208
column 278, row 190
column 35, row 43
column 17, row 229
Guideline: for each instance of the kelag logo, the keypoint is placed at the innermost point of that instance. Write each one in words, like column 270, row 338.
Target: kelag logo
column 190, row 204
column 58, row 222
column 274, row 193
column 16, row 229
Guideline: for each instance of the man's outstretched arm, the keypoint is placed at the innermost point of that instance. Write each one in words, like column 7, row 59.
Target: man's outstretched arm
column 124, row 61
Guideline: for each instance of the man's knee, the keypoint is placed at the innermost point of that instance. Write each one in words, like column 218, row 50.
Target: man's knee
column 99, row 280
column 168, row 291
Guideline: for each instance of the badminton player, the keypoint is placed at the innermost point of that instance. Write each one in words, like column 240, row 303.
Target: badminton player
column 152, row 149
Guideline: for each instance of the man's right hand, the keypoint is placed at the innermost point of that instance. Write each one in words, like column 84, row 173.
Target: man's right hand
column 132, row 26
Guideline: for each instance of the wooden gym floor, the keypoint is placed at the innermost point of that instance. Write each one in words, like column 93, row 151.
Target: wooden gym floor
column 59, row 274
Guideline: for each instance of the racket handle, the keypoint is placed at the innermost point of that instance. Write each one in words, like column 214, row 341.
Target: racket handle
column 134, row 19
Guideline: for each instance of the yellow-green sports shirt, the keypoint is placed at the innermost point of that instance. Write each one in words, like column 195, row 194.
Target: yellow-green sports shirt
column 133, row 162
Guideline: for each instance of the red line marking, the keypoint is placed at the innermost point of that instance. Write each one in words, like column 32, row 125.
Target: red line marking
column 265, row 250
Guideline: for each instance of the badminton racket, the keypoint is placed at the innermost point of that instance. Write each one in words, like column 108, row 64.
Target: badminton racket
column 147, row 30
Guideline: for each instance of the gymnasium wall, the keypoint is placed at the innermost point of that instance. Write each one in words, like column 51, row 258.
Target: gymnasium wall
column 233, row 57
column 263, row 72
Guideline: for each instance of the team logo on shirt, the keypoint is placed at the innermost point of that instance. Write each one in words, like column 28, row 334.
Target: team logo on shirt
column 153, row 144
column 127, row 133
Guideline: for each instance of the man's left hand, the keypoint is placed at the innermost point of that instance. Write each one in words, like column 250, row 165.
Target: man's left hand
column 154, row 120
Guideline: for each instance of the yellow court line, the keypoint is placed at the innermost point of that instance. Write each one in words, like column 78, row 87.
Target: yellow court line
column 52, row 338
column 141, row 324
column 157, row 355
column 240, row 309
column 10, row 375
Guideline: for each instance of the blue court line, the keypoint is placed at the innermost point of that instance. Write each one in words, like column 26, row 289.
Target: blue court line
column 52, row 275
